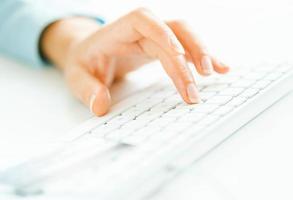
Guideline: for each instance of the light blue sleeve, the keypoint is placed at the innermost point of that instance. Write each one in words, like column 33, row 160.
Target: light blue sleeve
column 21, row 25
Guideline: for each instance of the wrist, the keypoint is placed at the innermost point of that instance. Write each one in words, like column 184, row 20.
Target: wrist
column 60, row 37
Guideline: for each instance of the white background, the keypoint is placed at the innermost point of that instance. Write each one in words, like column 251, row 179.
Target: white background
column 36, row 107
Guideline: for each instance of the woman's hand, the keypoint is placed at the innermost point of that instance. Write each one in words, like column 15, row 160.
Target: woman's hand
column 92, row 57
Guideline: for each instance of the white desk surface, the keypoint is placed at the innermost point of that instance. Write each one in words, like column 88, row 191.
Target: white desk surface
column 36, row 107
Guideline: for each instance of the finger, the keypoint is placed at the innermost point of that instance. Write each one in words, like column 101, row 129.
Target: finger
column 176, row 68
column 130, row 63
column 89, row 90
column 193, row 46
column 140, row 24
column 106, row 72
column 102, row 67
column 220, row 67
column 156, row 30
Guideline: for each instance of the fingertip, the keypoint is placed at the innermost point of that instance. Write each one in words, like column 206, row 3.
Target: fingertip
column 225, row 69
column 220, row 67
column 100, row 101
column 192, row 93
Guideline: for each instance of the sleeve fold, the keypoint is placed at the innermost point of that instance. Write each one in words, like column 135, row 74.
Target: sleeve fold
column 21, row 25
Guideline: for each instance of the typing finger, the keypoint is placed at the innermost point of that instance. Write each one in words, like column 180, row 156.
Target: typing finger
column 177, row 69
column 89, row 90
column 219, row 66
column 204, row 63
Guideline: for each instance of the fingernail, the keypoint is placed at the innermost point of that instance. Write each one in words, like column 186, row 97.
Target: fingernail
column 225, row 66
column 192, row 93
column 207, row 65
column 92, row 101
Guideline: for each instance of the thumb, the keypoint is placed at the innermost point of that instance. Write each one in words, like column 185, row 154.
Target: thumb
column 90, row 90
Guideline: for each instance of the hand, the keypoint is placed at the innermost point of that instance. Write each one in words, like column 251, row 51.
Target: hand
column 92, row 57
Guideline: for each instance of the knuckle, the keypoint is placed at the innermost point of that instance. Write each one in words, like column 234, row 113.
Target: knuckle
column 140, row 12
column 145, row 16
column 160, row 31
column 177, row 23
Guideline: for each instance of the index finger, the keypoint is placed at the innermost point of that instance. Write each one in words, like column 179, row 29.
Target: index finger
column 177, row 69
column 149, row 26
column 140, row 24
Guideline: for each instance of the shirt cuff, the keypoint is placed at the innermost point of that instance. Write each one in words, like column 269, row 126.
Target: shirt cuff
column 41, row 60
column 24, row 29
column 41, row 24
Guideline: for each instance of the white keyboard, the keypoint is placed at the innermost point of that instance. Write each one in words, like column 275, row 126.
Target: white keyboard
column 160, row 113
column 154, row 134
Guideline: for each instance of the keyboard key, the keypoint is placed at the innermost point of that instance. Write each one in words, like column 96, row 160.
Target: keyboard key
column 264, row 68
column 173, row 100
column 204, row 96
column 186, row 107
column 227, row 79
column 146, row 105
column 253, row 76
column 160, row 95
column 179, row 125
column 223, row 110
column 166, row 134
column 133, row 112
column 149, row 115
column 176, row 113
column 208, row 120
column 135, row 139
column 204, row 108
column 117, row 135
column 273, row 76
column 191, row 116
column 103, row 130
column 149, row 128
column 231, row 92
column 261, row 84
column 162, row 107
column 242, row 83
column 215, row 88
column 219, row 100
column 133, row 125
column 120, row 120
column 237, row 101
column 162, row 122
column 249, row 93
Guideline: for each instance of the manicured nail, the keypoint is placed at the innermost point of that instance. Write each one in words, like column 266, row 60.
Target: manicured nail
column 192, row 93
column 227, row 68
column 92, row 101
column 207, row 65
